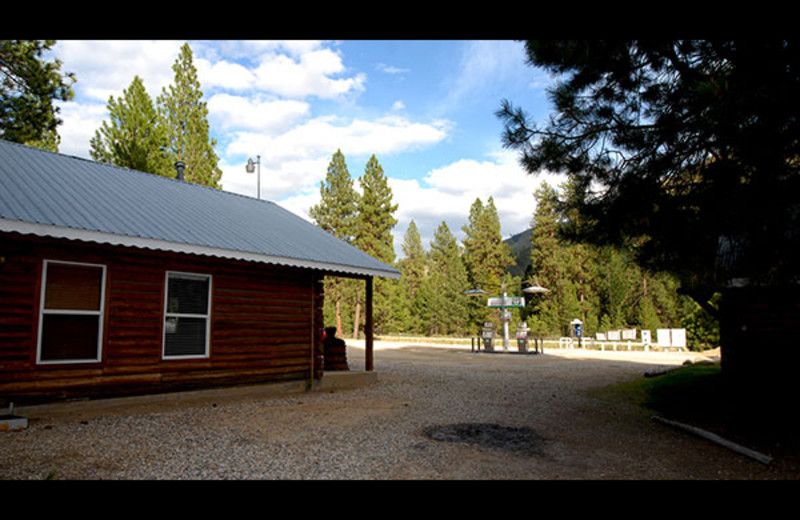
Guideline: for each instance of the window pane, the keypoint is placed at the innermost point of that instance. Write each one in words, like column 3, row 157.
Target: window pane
column 67, row 338
column 185, row 336
column 187, row 294
column 73, row 287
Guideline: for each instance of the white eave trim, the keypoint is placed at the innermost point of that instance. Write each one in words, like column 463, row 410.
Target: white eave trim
column 47, row 230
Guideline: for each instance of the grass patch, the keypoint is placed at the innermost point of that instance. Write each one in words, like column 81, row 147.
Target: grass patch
column 693, row 393
column 696, row 395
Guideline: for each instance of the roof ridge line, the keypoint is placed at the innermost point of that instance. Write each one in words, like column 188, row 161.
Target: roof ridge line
column 35, row 149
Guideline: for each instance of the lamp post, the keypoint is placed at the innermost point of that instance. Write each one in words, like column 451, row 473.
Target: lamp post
column 250, row 168
column 504, row 318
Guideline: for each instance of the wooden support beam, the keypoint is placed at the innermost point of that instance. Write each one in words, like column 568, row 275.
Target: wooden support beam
column 368, row 326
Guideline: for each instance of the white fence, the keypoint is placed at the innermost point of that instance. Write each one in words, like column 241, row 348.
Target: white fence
column 625, row 339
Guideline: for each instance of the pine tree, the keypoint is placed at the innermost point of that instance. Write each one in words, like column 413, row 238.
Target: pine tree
column 397, row 313
column 336, row 213
column 447, row 282
column 414, row 267
column 184, row 116
column 375, row 214
column 486, row 257
column 617, row 288
column 132, row 138
column 581, row 257
column 550, row 315
column 28, row 87
column 374, row 224
column 337, row 209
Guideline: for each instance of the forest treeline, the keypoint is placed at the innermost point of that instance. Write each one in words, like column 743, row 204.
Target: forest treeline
column 601, row 286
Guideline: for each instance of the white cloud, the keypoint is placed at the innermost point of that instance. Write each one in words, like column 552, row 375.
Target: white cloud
column 309, row 75
column 297, row 159
column 322, row 136
column 446, row 194
column 223, row 74
column 80, row 122
column 107, row 67
column 389, row 69
column 291, row 69
column 229, row 111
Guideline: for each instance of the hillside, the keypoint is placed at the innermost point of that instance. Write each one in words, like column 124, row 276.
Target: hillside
column 520, row 245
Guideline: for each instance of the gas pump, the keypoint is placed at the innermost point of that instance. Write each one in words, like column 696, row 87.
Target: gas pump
column 488, row 336
column 522, row 336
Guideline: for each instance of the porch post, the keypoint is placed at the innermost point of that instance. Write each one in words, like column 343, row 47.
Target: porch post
column 368, row 326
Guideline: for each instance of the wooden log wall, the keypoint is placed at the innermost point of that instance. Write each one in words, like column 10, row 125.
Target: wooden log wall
column 266, row 323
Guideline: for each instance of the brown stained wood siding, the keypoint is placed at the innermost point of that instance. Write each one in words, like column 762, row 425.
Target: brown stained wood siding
column 261, row 323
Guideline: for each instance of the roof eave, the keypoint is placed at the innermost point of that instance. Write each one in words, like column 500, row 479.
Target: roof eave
column 47, row 230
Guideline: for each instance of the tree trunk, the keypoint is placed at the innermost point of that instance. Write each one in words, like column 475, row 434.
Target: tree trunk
column 338, row 316
column 357, row 317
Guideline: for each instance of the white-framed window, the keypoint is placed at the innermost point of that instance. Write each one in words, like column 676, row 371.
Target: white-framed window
column 71, row 311
column 187, row 315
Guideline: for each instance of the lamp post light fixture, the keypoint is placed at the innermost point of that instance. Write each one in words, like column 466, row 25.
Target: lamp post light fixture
column 250, row 168
column 474, row 292
column 535, row 289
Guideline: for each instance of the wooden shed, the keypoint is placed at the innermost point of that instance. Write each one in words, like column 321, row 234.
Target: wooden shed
column 117, row 282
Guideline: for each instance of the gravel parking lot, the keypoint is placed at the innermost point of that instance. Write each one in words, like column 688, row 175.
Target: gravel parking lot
column 431, row 413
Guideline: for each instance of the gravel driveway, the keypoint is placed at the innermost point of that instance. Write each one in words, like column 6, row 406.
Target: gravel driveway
column 433, row 413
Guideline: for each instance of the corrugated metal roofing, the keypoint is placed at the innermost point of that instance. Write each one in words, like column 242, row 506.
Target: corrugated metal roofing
column 51, row 194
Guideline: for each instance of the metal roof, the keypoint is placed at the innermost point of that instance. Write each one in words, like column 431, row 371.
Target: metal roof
column 50, row 194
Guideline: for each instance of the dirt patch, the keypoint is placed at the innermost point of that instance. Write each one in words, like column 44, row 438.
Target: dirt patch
column 517, row 440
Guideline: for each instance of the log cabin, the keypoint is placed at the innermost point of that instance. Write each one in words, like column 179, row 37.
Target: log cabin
column 118, row 282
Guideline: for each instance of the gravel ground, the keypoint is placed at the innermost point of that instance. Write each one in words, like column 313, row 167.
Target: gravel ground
column 433, row 413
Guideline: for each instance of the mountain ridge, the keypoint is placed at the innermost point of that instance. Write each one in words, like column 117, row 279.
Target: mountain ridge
column 520, row 247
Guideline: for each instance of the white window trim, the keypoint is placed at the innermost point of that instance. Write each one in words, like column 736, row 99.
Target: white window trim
column 207, row 317
column 99, row 313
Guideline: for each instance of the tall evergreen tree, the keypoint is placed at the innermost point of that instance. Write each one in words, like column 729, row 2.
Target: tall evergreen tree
column 374, row 224
column 414, row 267
column 551, row 314
column 581, row 257
column 184, row 115
column 617, row 283
column 337, row 209
column 336, row 213
column 375, row 214
column 487, row 258
column 447, row 282
column 28, row 87
column 132, row 138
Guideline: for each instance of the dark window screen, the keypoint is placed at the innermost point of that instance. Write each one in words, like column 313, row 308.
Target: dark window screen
column 71, row 313
column 69, row 338
column 186, row 337
column 187, row 295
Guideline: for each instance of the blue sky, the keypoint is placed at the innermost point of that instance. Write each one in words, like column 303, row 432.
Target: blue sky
column 424, row 108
